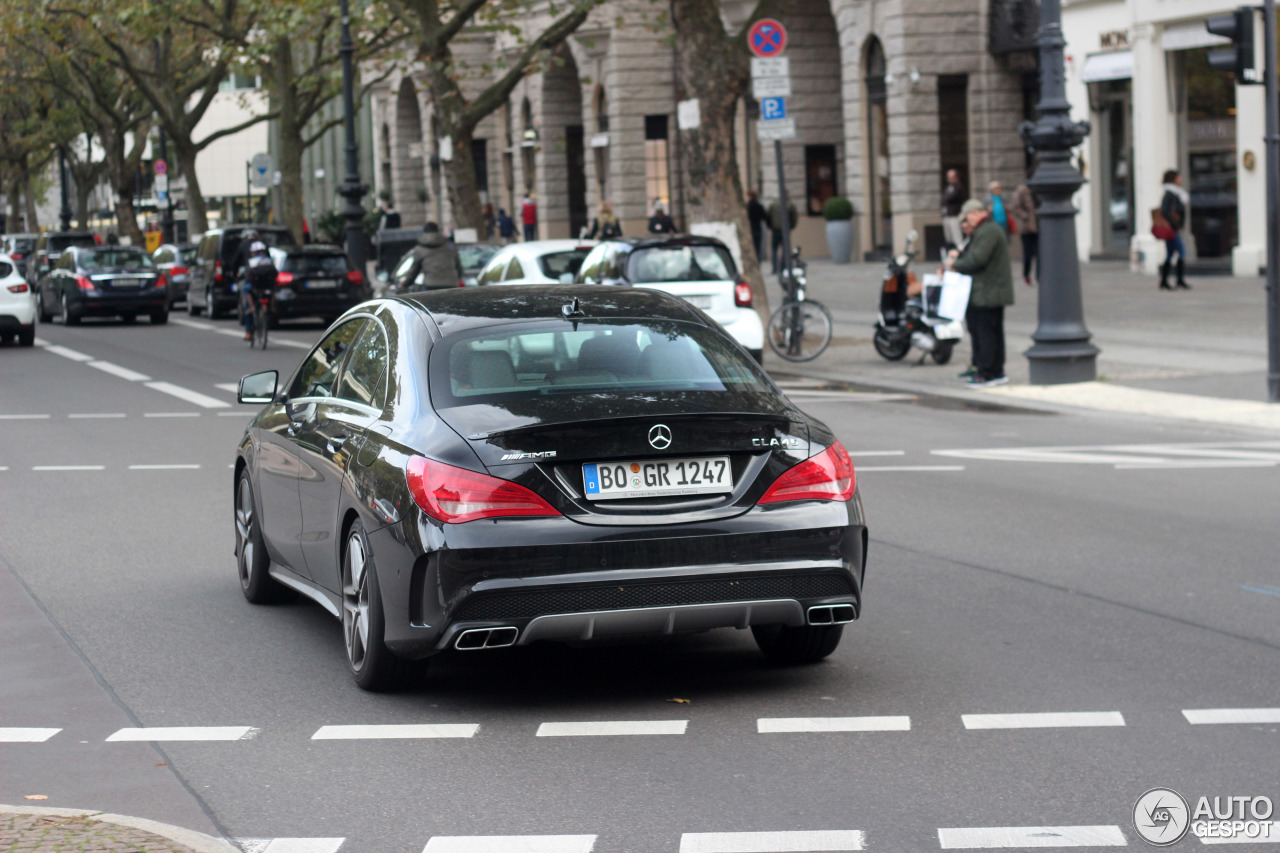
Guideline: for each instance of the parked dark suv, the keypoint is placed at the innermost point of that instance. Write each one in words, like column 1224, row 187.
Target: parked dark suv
column 316, row 281
column 50, row 246
column 212, row 279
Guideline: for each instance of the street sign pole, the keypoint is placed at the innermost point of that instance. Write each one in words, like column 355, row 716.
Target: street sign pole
column 1273, row 198
column 782, row 211
column 771, row 84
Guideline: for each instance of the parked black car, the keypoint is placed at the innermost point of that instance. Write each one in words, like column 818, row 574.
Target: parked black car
column 484, row 467
column 316, row 281
column 19, row 247
column 50, row 246
column 212, row 282
column 104, row 281
column 175, row 262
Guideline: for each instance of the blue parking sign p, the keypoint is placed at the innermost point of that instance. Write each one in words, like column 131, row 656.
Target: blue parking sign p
column 773, row 108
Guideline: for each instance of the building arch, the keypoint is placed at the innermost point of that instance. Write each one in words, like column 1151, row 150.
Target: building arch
column 563, row 211
column 409, row 168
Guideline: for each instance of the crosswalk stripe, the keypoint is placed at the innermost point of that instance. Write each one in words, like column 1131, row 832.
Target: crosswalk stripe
column 290, row 845
column 772, row 725
column 1051, row 720
column 510, row 844
column 1214, row 716
column 26, row 735
column 425, row 730
column 613, row 727
column 772, row 842
column 997, row 837
column 179, row 733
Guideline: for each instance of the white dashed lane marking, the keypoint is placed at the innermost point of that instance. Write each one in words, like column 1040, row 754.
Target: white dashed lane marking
column 172, row 415
column 290, row 845
column 187, row 394
column 74, row 355
column 184, row 733
column 858, row 453
column 23, row 417
column 1022, row 837
column 101, row 415
column 395, row 731
column 1134, row 457
column 1218, row 716
column 68, row 467
column 229, row 387
column 117, row 370
column 613, row 727
column 772, row 842
column 194, row 324
column 777, row 725
column 1053, row 720
column 510, row 844
column 26, row 735
column 163, row 467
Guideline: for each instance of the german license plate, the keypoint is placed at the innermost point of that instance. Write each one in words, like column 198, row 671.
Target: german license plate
column 126, row 282
column 321, row 284
column 702, row 302
column 655, row 478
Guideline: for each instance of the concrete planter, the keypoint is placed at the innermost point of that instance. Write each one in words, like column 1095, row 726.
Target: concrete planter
column 840, row 239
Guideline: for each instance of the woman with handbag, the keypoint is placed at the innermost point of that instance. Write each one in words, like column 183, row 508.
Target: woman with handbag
column 1167, row 221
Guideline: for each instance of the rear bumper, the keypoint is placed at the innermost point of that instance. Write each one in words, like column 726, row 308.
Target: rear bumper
column 746, row 329
column 111, row 304
column 292, row 303
column 10, row 323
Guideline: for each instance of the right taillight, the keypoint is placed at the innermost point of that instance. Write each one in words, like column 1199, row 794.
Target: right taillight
column 18, row 288
column 284, row 278
column 454, row 495
column 83, row 282
column 217, row 272
column 826, row 477
column 742, row 294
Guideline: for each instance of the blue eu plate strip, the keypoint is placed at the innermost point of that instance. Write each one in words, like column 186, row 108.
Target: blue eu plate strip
column 591, row 475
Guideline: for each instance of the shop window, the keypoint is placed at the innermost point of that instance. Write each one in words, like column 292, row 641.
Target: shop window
column 657, row 181
column 820, row 176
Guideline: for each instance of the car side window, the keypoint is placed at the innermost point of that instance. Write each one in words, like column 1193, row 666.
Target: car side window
column 514, row 271
column 318, row 373
column 611, row 264
column 363, row 378
column 589, row 272
column 493, row 271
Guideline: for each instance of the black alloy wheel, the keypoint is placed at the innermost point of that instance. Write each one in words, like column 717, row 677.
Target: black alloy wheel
column 373, row 666
column 69, row 318
column 252, row 561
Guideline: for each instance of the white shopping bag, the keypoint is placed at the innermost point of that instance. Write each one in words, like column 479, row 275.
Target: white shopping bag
column 954, row 298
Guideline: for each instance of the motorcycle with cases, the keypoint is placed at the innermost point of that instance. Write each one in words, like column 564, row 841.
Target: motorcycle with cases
column 905, row 318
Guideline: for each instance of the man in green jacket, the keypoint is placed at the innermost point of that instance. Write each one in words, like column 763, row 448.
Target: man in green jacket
column 985, row 258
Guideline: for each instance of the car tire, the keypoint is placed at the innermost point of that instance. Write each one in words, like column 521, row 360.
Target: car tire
column 69, row 317
column 214, row 313
column 373, row 666
column 941, row 353
column 159, row 318
column 27, row 337
column 799, row 645
column 192, row 308
column 45, row 315
column 252, row 561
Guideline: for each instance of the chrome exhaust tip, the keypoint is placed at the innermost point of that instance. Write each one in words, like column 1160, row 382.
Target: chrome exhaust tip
column 486, row 638
column 831, row 614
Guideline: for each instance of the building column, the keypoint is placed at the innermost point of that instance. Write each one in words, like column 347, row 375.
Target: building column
column 1250, row 255
column 1155, row 142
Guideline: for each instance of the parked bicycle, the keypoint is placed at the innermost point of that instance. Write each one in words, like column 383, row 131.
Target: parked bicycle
column 800, row 330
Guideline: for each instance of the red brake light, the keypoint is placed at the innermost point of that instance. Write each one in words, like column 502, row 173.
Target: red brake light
column 454, row 495
column 83, row 283
column 217, row 271
column 283, row 278
column 17, row 256
column 462, row 282
column 355, row 277
column 828, row 476
column 742, row 294
column 176, row 270
column 18, row 288
column 97, row 239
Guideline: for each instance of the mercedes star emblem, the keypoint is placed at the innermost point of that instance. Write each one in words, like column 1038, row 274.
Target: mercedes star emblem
column 660, row 436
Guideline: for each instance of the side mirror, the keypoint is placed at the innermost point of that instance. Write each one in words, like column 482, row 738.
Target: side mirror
column 258, row 387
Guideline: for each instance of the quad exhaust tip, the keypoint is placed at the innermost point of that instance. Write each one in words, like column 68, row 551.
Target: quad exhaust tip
column 486, row 638
column 831, row 614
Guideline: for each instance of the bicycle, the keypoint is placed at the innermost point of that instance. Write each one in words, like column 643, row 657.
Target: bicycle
column 800, row 330
column 260, row 320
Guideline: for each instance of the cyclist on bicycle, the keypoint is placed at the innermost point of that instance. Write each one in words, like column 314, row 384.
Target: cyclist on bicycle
column 259, row 279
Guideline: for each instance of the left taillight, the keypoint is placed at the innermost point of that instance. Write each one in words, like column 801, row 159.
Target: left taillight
column 83, row 282
column 455, row 495
column 356, row 277
column 828, row 476
column 742, row 294
column 284, row 279
column 18, row 288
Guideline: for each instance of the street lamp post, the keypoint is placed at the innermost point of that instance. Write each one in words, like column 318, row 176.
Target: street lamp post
column 166, row 211
column 64, row 213
column 1061, row 352
column 352, row 190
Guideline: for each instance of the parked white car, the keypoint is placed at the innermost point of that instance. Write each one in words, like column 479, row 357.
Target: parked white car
column 17, row 305
column 699, row 270
column 536, row 262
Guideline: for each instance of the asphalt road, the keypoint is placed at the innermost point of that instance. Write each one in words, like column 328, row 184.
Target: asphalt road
column 1127, row 578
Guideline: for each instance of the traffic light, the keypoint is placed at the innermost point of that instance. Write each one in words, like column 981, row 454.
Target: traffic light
column 1237, row 59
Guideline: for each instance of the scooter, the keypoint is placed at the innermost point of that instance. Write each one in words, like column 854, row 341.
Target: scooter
column 905, row 319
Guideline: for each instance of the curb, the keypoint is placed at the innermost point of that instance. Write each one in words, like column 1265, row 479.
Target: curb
column 197, row 841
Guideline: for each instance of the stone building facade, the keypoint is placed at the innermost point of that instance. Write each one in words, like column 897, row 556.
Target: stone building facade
column 887, row 94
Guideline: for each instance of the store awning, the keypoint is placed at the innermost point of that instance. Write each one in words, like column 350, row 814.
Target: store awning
column 1100, row 67
column 1189, row 36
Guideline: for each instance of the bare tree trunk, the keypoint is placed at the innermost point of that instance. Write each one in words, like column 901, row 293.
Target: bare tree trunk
column 197, row 213
column 290, row 125
column 29, row 196
column 460, row 175
column 15, row 205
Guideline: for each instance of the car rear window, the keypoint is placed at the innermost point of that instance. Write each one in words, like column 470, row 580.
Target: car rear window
column 189, row 254
column 560, row 264
column 114, row 259
column 24, row 246
column 330, row 265
column 6, row 269
column 60, row 243
column 473, row 257
column 658, row 264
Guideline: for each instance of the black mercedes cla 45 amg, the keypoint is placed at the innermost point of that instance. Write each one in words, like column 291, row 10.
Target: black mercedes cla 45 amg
column 479, row 468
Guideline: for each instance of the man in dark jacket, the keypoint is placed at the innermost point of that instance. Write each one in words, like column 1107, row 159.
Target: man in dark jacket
column 756, row 218
column 435, row 259
column 985, row 259
column 952, row 199
column 775, row 229
column 661, row 222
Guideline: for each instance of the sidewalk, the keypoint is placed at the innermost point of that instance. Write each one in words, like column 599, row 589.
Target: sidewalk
column 1198, row 354
column 25, row 829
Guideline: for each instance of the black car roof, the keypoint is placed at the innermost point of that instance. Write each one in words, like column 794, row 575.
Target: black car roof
column 670, row 240
column 459, row 309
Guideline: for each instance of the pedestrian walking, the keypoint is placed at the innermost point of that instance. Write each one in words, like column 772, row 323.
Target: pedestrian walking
column 952, row 200
column 661, row 222
column 1167, row 223
column 995, row 204
column 487, row 221
column 1023, row 210
column 529, row 217
column 985, row 258
column 389, row 217
column 775, row 228
column 506, row 226
column 756, row 218
column 605, row 226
